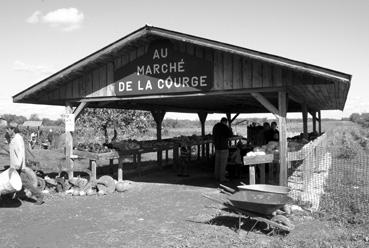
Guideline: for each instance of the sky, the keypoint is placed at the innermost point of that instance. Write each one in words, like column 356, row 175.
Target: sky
column 41, row 37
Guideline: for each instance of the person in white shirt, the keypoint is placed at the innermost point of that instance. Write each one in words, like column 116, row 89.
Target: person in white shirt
column 18, row 160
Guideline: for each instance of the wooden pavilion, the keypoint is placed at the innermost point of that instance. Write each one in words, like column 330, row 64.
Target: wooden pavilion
column 161, row 71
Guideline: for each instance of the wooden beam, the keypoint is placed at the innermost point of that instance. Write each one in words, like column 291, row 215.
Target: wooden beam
column 79, row 109
column 158, row 117
column 282, row 106
column 202, row 117
column 229, row 119
column 304, row 119
column 210, row 93
column 320, row 122
column 69, row 144
column 313, row 114
column 265, row 102
column 234, row 117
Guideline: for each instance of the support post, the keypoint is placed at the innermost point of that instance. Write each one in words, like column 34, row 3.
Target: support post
column 314, row 121
column 304, row 119
column 320, row 122
column 69, row 144
column 158, row 117
column 120, row 168
column 93, row 170
column 202, row 117
column 282, row 105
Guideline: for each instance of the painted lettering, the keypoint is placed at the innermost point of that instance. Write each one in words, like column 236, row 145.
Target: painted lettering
column 194, row 82
column 169, row 82
column 129, row 86
column 160, row 83
column 140, row 70
column 177, row 84
column 156, row 54
column 203, row 81
column 148, row 85
column 164, row 52
column 121, row 86
column 139, row 85
column 148, row 70
column 164, row 68
column 181, row 66
column 156, row 68
column 172, row 67
column 185, row 81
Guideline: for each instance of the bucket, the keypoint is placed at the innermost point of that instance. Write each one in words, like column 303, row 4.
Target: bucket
column 10, row 181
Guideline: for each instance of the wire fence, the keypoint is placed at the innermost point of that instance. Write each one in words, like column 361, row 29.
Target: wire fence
column 333, row 177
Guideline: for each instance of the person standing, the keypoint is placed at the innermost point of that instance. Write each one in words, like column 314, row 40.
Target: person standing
column 17, row 155
column 272, row 134
column 221, row 134
column 50, row 138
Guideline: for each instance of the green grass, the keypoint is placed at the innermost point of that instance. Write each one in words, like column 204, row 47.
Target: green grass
column 346, row 198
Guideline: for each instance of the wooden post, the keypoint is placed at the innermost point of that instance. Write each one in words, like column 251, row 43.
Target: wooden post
column 314, row 120
column 202, row 117
column 304, row 119
column 93, row 169
column 158, row 117
column 111, row 164
column 120, row 168
column 69, row 144
column 262, row 173
column 270, row 173
column 282, row 101
column 320, row 122
column 252, row 174
column 139, row 163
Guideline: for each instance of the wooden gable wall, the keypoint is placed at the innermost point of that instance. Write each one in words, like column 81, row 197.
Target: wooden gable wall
column 231, row 72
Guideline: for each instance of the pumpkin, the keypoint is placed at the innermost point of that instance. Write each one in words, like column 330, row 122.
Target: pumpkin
column 75, row 192
column 120, row 187
column 90, row 192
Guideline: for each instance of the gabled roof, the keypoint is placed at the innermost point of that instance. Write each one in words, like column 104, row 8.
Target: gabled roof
column 148, row 33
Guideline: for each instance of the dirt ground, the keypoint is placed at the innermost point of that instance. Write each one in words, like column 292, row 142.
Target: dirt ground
column 159, row 210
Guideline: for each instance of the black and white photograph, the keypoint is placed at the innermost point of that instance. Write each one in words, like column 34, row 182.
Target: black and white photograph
column 183, row 123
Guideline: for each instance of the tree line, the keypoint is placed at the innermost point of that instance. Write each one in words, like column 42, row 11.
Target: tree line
column 361, row 119
column 20, row 119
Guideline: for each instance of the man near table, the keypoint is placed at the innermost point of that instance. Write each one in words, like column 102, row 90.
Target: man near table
column 17, row 155
column 221, row 134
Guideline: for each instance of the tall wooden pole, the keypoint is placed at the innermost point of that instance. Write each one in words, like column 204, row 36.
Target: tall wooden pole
column 69, row 144
column 282, row 107
column 314, row 120
column 304, row 119
column 202, row 117
column 320, row 122
column 158, row 117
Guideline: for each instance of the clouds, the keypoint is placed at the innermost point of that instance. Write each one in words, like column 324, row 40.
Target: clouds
column 39, row 71
column 66, row 19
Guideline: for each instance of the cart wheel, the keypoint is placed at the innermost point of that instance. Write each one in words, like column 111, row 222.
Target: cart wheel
column 41, row 184
column 283, row 220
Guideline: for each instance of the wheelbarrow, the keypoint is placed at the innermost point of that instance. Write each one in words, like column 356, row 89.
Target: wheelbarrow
column 258, row 202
